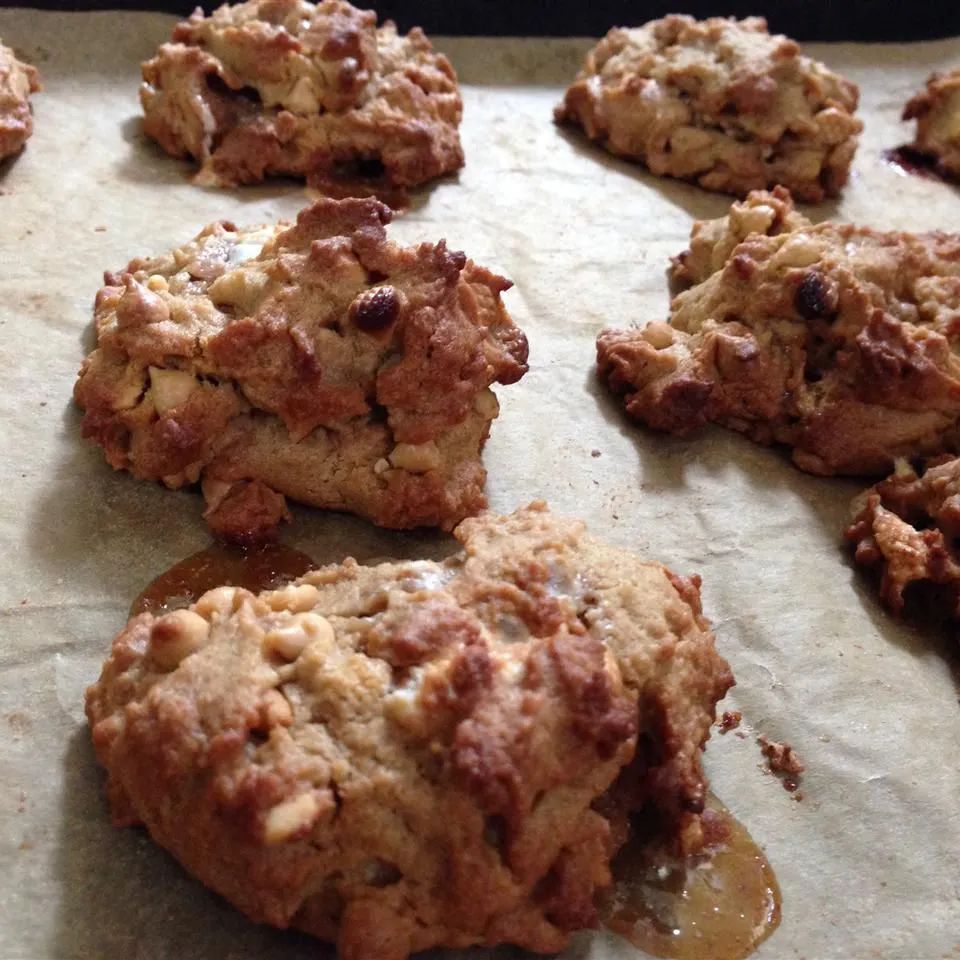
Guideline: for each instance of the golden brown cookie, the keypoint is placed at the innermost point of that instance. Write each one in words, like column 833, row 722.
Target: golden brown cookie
column 906, row 527
column 839, row 341
column 720, row 102
column 316, row 360
column 17, row 81
column 936, row 109
column 419, row 754
column 287, row 87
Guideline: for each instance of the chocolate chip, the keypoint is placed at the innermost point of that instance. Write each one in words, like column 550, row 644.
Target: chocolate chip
column 815, row 300
column 376, row 309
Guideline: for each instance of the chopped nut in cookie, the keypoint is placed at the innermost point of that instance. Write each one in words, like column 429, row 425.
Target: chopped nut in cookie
column 317, row 361
column 291, row 88
column 720, row 102
column 367, row 756
column 838, row 341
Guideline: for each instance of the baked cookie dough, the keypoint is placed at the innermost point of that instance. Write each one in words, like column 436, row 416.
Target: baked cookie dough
column 906, row 529
column 317, row 360
column 17, row 81
column 720, row 102
column 419, row 754
column 286, row 87
column 839, row 341
column 936, row 109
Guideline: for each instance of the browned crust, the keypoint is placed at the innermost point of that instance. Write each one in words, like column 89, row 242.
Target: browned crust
column 17, row 81
column 331, row 366
column 720, row 102
column 839, row 341
column 417, row 754
column 286, row 87
column 936, row 108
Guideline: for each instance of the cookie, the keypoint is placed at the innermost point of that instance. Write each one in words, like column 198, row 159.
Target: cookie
column 17, row 81
column 286, row 87
column 936, row 109
column 720, row 102
column 419, row 754
column 839, row 341
column 317, row 360
column 905, row 529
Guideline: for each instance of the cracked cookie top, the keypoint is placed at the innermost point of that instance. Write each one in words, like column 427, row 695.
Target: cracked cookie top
column 419, row 754
column 322, row 325
column 270, row 87
column 836, row 339
column 720, row 101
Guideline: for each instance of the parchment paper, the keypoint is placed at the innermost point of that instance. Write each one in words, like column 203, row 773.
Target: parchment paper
column 869, row 860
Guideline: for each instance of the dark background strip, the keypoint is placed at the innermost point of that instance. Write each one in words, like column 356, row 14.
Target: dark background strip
column 864, row 20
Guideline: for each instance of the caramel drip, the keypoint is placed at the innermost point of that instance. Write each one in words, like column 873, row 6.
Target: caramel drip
column 908, row 162
column 258, row 568
column 717, row 906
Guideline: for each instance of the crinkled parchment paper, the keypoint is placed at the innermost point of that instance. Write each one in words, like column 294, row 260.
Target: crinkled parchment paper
column 869, row 860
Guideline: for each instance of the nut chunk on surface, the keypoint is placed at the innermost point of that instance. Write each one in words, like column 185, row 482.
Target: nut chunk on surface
column 419, row 754
column 839, row 341
column 316, row 360
column 936, row 109
column 906, row 528
column 720, row 102
column 17, row 81
column 287, row 87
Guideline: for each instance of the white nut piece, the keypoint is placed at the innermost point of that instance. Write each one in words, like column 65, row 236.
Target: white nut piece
column 797, row 252
column 658, row 335
column 291, row 817
column 416, row 457
column 302, row 98
column 221, row 601
column 296, row 599
column 485, row 403
column 381, row 466
column 130, row 388
column 170, row 388
column 290, row 640
column 176, row 635
column 241, row 288
column 747, row 220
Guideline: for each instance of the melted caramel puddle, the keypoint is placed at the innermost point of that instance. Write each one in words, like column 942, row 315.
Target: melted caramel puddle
column 257, row 568
column 719, row 906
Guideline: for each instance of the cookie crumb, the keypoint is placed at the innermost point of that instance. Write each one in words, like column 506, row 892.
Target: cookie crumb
column 782, row 758
column 729, row 721
column 594, row 453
